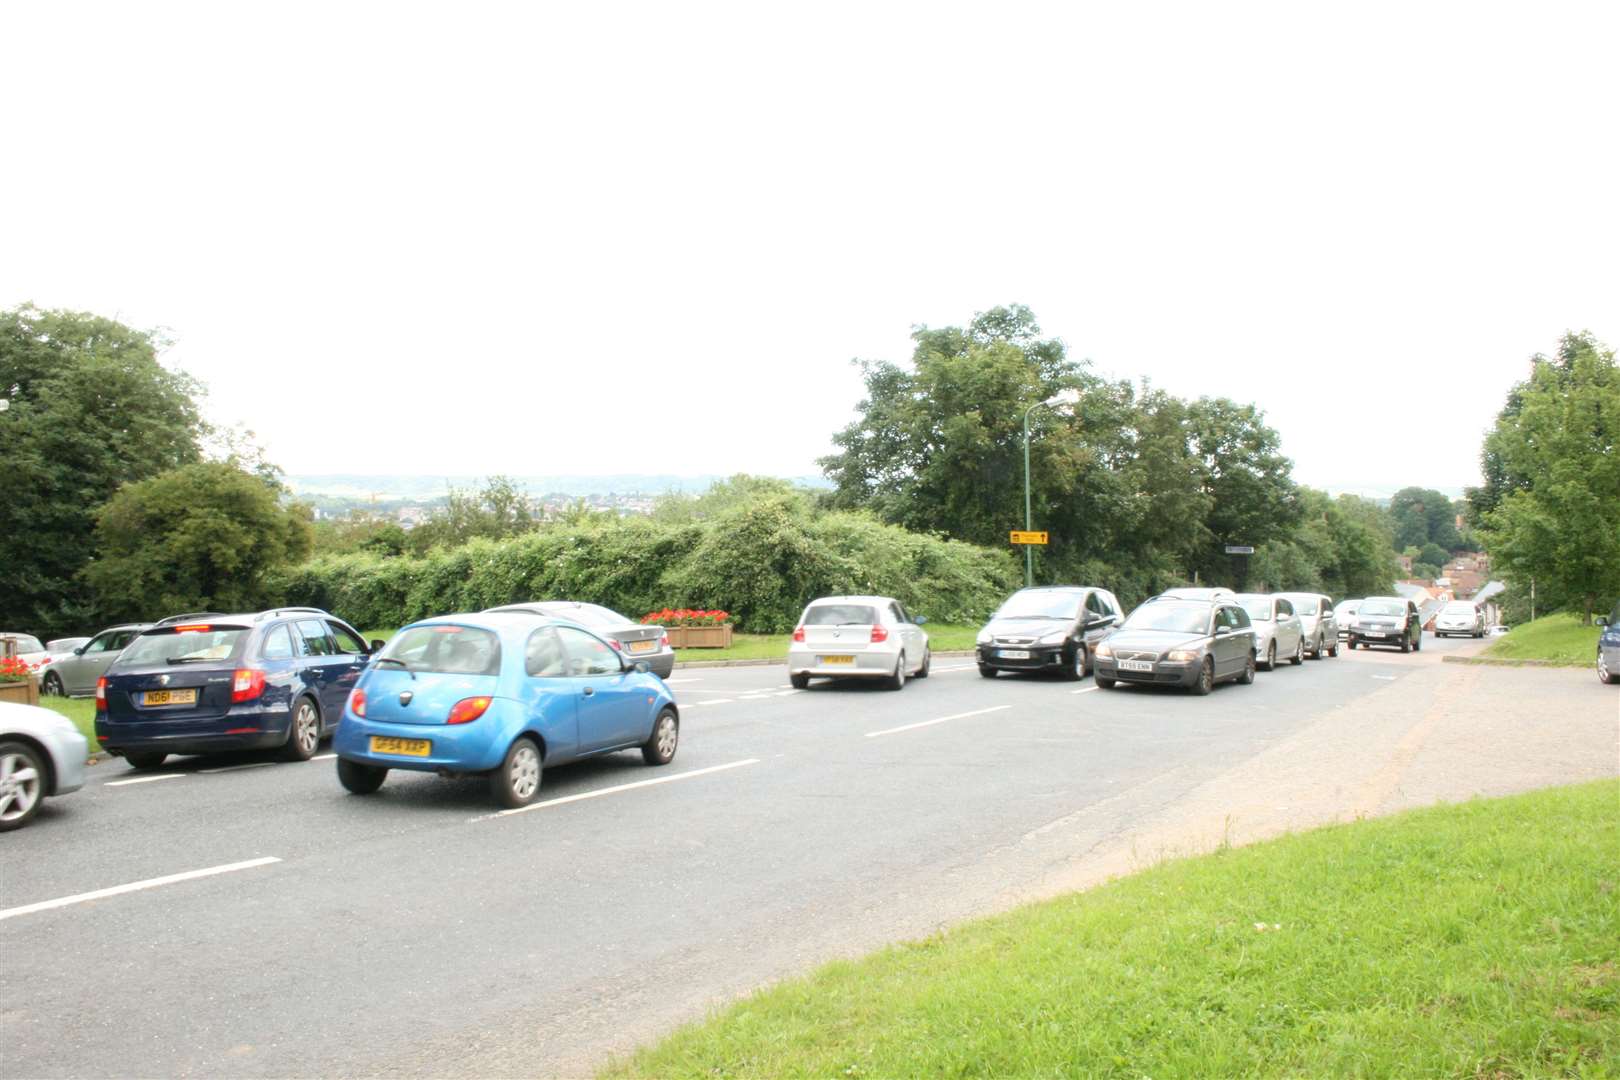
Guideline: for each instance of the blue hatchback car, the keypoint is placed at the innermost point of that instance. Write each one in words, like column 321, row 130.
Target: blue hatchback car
column 503, row 696
column 205, row 683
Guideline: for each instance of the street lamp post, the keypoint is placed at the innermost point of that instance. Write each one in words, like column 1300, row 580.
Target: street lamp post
column 1067, row 397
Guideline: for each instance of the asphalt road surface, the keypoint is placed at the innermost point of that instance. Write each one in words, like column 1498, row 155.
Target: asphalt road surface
column 277, row 926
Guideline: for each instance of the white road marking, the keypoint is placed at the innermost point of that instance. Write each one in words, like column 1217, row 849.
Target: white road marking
column 618, row 788
column 323, row 757
column 1386, row 678
column 716, row 701
column 135, row 886
column 235, row 768
column 786, row 693
column 1085, row 690
column 958, row 667
column 677, row 682
column 941, row 720
column 144, row 779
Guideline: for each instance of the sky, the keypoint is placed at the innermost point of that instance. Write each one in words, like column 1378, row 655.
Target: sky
column 536, row 239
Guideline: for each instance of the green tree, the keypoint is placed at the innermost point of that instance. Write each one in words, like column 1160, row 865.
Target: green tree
column 1433, row 555
column 497, row 511
column 198, row 537
column 1252, row 496
column 1425, row 516
column 90, row 409
column 1552, row 477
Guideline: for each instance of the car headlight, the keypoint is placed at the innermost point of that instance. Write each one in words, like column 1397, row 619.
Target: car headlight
column 1181, row 656
column 1104, row 649
column 983, row 638
column 1056, row 638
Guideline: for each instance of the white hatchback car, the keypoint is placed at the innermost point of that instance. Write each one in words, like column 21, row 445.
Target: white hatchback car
column 1278, row 634
column 861, row 636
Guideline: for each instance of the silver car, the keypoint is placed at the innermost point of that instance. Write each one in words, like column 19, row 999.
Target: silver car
column 1316, row 619
column 76, row 674
column 1460, row 618
column 1277, row 631
column 867, row 636
column 41, row 754
column 1344, row 615
column 636, row 641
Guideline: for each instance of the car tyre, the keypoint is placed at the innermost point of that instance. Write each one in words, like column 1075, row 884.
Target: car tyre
column 897, row 681
column 1417, row 644
column 799, row 680
column 52, row 686
column 928, row 662
column 516, row 780
column 145, row 759
column 1247, row 678
column 1075, row 670
column 1299, row 653
column 1271, row 656
column 1105, row 683
column 359, row 778
column 304, row 733
column 659, row 749
column 1406, row 644
column 1206, row 678
column 1605, row 676
column 1334, row 652
column 22, row 784
column 986, row 671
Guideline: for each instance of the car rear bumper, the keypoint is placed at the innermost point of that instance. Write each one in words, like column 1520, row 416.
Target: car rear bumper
column 457, row 748
column 865, row 661
column 1387, row 642
column 244, row 727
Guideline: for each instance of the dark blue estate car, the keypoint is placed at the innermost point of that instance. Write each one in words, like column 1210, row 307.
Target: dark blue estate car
column 206, row 683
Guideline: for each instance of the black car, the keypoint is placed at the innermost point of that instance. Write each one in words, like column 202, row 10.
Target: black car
column 1050, row 628
column 1391, row 621
column 205, row 683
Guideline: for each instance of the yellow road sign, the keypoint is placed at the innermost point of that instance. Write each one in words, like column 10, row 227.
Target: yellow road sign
column 1021, row 537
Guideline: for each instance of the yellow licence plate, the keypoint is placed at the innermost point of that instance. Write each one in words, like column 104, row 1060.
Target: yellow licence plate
column 826, row 660
column 169, row 697
column 382, row 744
column 643, row 646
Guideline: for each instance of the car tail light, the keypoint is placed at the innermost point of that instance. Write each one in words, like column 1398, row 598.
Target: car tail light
column 615, row 643
column 798, row 633
column 880, row 634
column 193, row 628
column 101, row 694
column 469, row 709
column 357, row 702
column 663, row 641
column 247, row 685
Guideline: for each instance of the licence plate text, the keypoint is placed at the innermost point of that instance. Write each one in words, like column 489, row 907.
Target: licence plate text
column 643, row 646
column 383, row 744
column 169, row 697
column 1013, row 654
column 827, row 660
column 1136, row 665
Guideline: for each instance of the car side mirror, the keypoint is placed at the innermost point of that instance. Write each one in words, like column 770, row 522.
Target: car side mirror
column 1222, row 631
column 377, row 644
column 79, row 651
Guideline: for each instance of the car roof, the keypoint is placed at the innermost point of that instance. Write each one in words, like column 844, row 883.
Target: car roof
column 496, row 621
column 851, row 600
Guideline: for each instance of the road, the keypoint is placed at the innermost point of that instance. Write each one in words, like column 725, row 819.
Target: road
column 416, row 932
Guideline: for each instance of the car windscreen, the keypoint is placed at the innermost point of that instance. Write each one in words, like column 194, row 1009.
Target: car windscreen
column 67, row 644
column 1381, row 607
column 840, row 615
column 448, row 650
column 183, row 645
column 1304, row 605
column 1460, row 608
column 1040, row 604
column 1188, row 617
column 1258, row 609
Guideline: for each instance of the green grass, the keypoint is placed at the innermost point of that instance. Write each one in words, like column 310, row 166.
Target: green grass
column 1480, row 939
column 82, row 711
column 1560, row 639
column 941, row 638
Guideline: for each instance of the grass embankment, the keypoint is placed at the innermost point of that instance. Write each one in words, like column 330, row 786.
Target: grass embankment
column 1558, row 639
column 1468, row 940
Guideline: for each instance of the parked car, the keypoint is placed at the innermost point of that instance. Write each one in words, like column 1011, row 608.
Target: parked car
column 30, row 650
column 504, row 695
column 41, row 755
column 76, row 673
column 1050, row 628
column 863, row 636
column 1277, row 630
column 1316, row 620
column 1460, row 618
column 1608, row 647
column 1387, row 620
column 1344, row 615
column 1194, row 592
column 1177, row 642
column 63, row 646
column 1498, row 630
column 635, row 640
column 236, row 682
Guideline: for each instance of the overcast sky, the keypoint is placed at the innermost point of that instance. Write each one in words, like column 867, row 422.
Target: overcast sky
column 532, row 239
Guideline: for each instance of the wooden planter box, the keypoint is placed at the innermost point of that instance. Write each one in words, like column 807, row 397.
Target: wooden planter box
column 24, row 693
column 700, row 637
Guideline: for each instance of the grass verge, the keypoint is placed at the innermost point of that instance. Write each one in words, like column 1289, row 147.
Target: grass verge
column 1557, row 639
column 942, row 638
column 1468, row 940
column 82, row 711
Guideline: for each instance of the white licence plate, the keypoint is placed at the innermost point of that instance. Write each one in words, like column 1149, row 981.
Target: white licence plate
column 1373, row 633
column 1013, row 654
column 1136, row 665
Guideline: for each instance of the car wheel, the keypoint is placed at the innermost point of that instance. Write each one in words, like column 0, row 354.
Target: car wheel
column 1271, row 656
column 1417, row 643
column 304, row 735
column 1104, row 682
column 22, row 784
column 1605, row 676
column 148, row 759
column 987, row 671
column 897, row 681
column 1318, row 649
column 1075, row 670
column 1334, row 652
column 799, row 680
column 358, row 778
column 516, row 781
column 659, row 749
column 1206, row 678
column 928, row 662
column 52, row 686
column 1247, row 678
column 1299, row 653
column 1406, row 644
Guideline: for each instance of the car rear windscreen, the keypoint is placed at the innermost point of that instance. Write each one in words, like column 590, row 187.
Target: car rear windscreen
column 449, row 650
column 840, row 615
column 183, row 645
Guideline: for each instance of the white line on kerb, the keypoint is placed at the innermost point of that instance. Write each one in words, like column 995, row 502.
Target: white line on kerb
column 136, row 886
column 144, row 779
column 617, row 788
column 941, row 720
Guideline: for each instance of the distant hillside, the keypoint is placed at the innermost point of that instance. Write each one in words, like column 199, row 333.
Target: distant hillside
column 423, row 488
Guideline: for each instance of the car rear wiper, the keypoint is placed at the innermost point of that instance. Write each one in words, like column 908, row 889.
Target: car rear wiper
column 401, row 663
column 188, row 659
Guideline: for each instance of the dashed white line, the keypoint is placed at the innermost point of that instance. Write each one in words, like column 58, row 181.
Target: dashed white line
column 958, row 667
column 786, row 693
column 1085, row 690
column 236, row 768
column 323, row 757
column 618, row 788
column 716, row 701
column 678, row 682
column 1386, row 678
column 135, row 886
column 144, row 779
column 941, row 720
